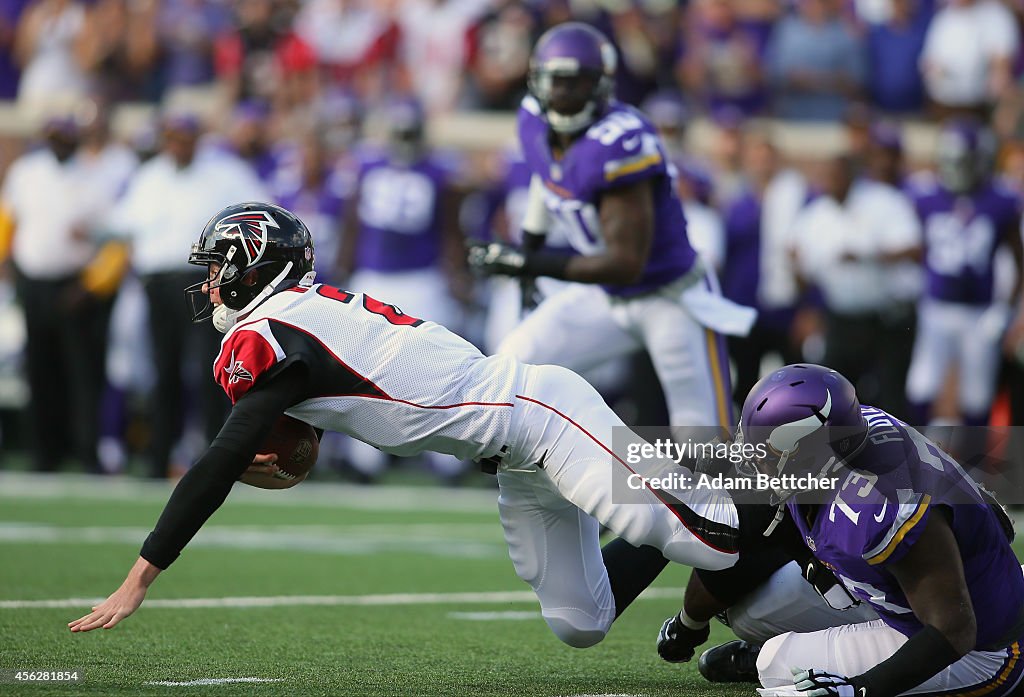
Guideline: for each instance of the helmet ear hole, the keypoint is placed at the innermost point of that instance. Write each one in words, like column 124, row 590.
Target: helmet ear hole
column 250, row 278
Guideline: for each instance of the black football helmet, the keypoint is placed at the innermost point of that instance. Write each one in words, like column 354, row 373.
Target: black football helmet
column 257, row 246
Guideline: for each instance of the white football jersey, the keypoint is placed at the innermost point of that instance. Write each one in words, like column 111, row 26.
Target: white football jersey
column 401, row 384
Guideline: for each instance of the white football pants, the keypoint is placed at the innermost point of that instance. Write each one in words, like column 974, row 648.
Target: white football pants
column 565, row 475
column 854, row 648
column 955, row 334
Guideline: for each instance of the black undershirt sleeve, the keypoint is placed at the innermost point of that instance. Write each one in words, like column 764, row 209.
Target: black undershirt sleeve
column 204, row 487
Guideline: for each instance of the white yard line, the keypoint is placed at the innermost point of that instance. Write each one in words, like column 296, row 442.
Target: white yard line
column 26, row 485
column 456, row 540
column 491, row 616
column 208, row 681
column 378, row 600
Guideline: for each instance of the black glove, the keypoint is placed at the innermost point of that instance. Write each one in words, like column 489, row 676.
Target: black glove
column 505, row 260
column 677, row 642
column 818, row 683
column 496, row 258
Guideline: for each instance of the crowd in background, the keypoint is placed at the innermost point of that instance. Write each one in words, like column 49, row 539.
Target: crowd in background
column 102, row 225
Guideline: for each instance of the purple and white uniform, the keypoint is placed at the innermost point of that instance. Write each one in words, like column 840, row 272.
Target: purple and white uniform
column 961, row 317
column 872, row 520
column 674, row 310
column 620, row 149
column 399, row 239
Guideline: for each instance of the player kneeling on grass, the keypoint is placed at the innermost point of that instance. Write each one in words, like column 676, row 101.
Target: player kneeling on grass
column 906, row 531
column 343, row 361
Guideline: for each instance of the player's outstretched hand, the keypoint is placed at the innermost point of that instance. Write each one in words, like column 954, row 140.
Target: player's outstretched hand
column 818, row 683
column 123, row 602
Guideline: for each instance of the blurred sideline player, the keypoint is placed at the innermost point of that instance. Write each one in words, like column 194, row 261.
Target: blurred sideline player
column 967, row 215
column 346, row 362
column 906, row 531
column 401, row 241
column 599, row 168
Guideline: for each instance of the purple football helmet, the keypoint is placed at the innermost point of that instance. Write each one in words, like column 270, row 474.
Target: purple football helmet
column 572, row 75
column 965, row 153
column 806, row 419
column 407, row 126
column 340, row 115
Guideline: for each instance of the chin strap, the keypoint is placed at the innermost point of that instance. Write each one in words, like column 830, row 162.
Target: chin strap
column 224, row 317
column 780, row 513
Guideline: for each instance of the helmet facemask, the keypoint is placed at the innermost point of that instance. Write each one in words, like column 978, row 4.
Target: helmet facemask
column 799, row 450
column 964, row 157
column 591, row 91
column 572, row 76
column 251, row 264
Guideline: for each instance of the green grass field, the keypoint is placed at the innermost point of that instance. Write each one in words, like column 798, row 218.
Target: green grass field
column 392, row 567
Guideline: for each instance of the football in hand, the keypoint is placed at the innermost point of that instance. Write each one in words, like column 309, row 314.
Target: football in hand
column 296, row 446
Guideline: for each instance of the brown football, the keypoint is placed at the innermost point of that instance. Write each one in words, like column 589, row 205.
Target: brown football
column 296, row 446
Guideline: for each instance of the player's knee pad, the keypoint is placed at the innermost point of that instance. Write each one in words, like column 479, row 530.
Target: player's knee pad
column 772, row 665
column 575, row 628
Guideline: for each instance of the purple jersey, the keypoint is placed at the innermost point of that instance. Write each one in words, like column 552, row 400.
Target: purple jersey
column 875, row 517
column 620, row 149
column 399, row 211
column 961, row 236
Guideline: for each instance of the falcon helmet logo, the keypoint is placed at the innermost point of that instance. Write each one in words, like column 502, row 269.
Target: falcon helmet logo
column 250, row 228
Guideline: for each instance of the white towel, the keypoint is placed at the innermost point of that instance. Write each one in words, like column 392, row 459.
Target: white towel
column 715, row 312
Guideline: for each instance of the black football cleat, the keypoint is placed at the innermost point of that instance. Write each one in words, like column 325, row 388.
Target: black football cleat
column 735, row 661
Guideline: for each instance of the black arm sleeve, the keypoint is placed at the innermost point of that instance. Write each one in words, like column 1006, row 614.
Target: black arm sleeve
column 203, row 489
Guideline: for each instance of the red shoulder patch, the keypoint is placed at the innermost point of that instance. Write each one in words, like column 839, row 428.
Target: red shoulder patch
column 243, row 358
